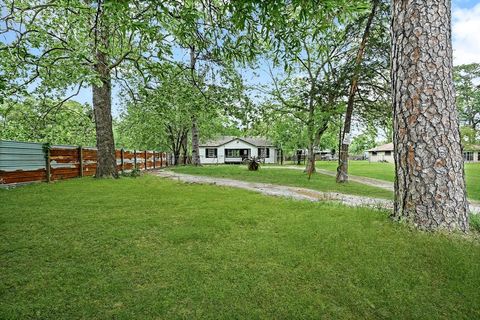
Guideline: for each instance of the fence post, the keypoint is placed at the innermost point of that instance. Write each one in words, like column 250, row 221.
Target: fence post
column 46, row 149
column 153, row 159
column 146, row 165
column 134, row 159
column 121, row 159
column 80, row 159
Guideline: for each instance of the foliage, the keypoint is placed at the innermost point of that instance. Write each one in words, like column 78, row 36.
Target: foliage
column 160, row 114
column 363, row 142
column 35, row 121
column 134, row 173
column 467, row 87
column 469, row 136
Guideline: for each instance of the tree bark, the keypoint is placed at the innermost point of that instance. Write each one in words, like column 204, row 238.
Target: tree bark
column 310, row 168
column 342, row 170
column 185, row 149
column 429, row 184
column 102, row 106
column 195, row 143
column 195, row 133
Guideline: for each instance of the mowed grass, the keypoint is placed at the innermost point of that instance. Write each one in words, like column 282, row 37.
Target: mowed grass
column 149, row 248
column 286, row 177
column 386, row 171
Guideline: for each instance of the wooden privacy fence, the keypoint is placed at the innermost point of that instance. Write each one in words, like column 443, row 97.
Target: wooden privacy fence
column 27, row 162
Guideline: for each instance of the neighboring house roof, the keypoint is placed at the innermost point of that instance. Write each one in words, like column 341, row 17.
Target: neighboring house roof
column 385, row 147
column 389, row 147
column 254, row 141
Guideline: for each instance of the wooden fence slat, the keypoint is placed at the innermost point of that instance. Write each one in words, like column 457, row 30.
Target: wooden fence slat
column 47, row 159
column 122, row 159
column 80, row 160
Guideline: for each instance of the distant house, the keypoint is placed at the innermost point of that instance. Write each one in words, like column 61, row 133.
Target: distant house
column 385, row 153
column 471, row 153
column 229, row 149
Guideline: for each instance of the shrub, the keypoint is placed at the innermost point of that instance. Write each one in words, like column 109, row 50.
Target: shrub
column 253, row 164
column 136, row 172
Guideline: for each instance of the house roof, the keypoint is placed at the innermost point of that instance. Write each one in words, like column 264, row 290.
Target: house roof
column 385, row 147
column 389, row 147
column 255, row 141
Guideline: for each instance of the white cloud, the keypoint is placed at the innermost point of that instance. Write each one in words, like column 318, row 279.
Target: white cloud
column 466, row 34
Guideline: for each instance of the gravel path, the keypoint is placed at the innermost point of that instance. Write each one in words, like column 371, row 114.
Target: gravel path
column 278, row 190
column 296, row 193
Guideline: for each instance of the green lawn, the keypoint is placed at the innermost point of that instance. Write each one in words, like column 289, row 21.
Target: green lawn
column 287, row 177
column 149, row 248
column 386, row 171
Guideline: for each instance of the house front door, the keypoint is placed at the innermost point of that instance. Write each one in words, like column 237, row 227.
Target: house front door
column 244, row 154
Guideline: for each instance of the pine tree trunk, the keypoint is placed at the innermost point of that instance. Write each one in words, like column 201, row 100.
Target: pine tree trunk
column 429, row 184
column 195, row 143
column 342, row 170
column 102, row 106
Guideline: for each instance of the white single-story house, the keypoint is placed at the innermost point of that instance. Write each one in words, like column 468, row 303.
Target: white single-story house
column 385, row 153
column 229, row 149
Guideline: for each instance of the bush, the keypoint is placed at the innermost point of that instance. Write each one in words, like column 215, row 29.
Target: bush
column 136, row 172
column 253, row 164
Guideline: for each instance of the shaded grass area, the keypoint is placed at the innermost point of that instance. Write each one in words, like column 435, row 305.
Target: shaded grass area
column 386, row 171
column 152, row 248
column 286, row 177
column 376, row 170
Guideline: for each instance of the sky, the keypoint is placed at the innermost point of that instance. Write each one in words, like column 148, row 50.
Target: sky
column 466, row 31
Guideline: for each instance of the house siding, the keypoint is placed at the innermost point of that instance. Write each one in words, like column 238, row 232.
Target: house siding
column 235, row 144
column 476, row 157
column 381, row 156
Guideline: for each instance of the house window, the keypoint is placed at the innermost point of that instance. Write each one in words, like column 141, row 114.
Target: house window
column 264, row 152
column 211, row 153
column 468, row 156
column 237, row 153
column 374, row 153
column 232, row 153
column 388, row 153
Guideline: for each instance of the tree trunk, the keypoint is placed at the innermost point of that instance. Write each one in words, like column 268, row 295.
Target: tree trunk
column 195, row 143
column 429, row 184
column 310, row 168
column 195, row 133
column 102, row 106
column 185, row 149
column 342, row 170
